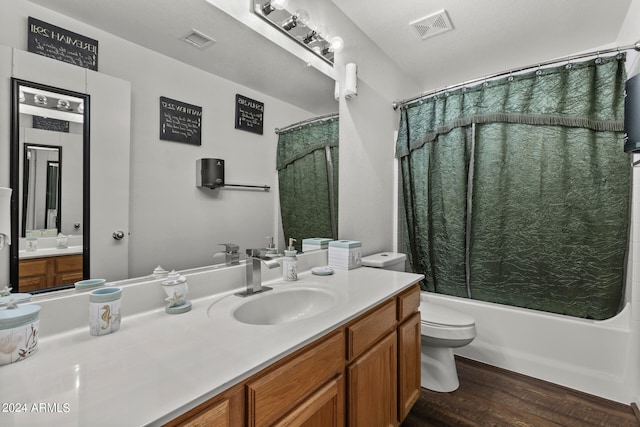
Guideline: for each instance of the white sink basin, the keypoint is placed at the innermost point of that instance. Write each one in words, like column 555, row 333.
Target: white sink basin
column 286, row 305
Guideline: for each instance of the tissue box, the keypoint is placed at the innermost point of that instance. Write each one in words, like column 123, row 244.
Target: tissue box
column 315, row 243
column 345, row 254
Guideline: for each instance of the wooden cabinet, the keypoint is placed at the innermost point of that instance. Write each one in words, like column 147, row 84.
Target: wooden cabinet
column 325, row 408
column 408, row 364
column 46, row 272
column 364, row 373
column 408, row 350
column 272, row 396
column 372, row 385
column 224, row 410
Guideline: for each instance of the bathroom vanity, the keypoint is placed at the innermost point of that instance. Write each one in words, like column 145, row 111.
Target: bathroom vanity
column 49, row 271
column 368, row 369
column 353, row 362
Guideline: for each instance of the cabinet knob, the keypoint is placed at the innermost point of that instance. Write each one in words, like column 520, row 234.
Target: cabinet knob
column 118, row 235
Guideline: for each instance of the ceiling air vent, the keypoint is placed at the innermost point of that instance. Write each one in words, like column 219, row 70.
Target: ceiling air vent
column 434, row 24
column 199, row 40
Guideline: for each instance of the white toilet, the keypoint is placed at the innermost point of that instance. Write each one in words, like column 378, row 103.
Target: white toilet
column 442, row 330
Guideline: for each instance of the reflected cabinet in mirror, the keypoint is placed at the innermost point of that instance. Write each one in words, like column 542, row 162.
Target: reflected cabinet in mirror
column 50, row 179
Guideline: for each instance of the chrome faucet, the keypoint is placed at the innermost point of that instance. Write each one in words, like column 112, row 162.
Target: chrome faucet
column 231, row 255
column 254, row 262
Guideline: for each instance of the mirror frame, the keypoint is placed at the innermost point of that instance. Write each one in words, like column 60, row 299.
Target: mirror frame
column 16, row 182
column 25, row 194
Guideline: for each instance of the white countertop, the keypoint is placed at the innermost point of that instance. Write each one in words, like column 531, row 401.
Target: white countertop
column 49, row 252
column 158, row 366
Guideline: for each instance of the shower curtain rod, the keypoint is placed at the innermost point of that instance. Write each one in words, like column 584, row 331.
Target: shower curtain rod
column 305, row 122
column 405, row 102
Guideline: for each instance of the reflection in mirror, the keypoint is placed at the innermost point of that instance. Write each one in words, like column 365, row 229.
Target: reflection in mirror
column 307, row 164
column 41, row 189
column 49, row 202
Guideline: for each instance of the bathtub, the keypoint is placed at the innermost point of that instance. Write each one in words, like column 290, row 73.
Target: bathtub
column 596, row 357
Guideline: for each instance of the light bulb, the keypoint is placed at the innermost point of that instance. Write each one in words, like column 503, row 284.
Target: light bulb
column 322, row 31
column 303, row 17
column 336, row 44
column 280, row 4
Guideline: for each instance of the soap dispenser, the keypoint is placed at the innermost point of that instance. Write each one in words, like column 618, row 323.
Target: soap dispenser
column 290, row 263
column 271, row 247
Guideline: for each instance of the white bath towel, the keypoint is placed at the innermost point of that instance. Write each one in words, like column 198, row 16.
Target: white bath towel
column 5, row 216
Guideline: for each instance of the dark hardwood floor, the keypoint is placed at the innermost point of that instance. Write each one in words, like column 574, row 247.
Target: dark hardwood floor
column 490, row 396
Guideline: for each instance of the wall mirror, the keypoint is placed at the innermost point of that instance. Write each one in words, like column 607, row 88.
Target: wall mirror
column 42, row 189
column 49, row 176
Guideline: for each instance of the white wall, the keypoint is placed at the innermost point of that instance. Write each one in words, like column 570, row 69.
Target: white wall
column 172, row 222
column 367, row 124
column 628, row 35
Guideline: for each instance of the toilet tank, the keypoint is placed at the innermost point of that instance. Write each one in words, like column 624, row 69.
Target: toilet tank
column 386, row 260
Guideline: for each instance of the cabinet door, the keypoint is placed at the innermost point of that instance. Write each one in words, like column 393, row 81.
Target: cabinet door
column 281, row 390
column 372, row 386
column 408, row 364
column 216, row 416
column 325, row 408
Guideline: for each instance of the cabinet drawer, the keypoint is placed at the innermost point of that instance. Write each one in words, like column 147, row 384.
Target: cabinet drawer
column 28, row 284
column 408, row 302
column 33, row 267
column 272, row 396
column 366, row 331
column 67, row 278
column 69, row 263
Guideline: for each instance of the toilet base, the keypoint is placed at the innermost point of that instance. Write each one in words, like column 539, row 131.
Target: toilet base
column 438, row 369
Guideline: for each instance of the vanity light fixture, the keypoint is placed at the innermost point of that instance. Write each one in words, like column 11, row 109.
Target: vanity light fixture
column 310, row 37
column 290, row 23
column 300, row 27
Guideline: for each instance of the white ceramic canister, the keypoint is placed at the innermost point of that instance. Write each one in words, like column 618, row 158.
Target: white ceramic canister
column 104, row 310
column 18, row 332
column 176, row 288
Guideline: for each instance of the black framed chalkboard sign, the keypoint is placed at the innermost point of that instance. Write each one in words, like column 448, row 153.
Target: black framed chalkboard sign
column 54, row 42
column 180, row 122
column 249, row 114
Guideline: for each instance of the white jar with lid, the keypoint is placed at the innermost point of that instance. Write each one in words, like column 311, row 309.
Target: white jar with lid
column 18, row 332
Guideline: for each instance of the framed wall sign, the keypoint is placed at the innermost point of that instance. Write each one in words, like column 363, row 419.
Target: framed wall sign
column 47, row 123
column 180, row 122
column 249, row 114
column 54, row 42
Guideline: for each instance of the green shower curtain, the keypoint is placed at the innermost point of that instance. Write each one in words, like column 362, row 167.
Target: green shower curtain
column 517, row 191
column 306, row 156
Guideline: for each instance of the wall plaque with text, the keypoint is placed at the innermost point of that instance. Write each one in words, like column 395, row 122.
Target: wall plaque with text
column 249, row 114
column 180, row 122
column 47, row 123
column 54, row 42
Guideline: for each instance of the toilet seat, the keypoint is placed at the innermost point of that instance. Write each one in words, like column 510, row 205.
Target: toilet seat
column 442, row 322
column 439, row 315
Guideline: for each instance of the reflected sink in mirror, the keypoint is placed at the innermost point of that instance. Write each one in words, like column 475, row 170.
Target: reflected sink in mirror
column 284, row 305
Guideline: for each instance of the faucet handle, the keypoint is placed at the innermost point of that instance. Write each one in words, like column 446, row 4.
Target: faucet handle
column 253, row 252
column 230, row 247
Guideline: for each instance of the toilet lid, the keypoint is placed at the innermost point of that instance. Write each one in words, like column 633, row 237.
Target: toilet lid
column 440, row 315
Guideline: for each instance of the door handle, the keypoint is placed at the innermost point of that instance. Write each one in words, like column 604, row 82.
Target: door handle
column 118, row 235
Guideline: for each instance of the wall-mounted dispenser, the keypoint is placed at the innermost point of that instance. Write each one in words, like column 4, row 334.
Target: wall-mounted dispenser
column 210, row 173
column 351, row 81
column 632, row 115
